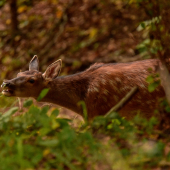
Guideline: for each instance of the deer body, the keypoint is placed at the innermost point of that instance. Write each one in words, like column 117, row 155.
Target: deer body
column 100, row 87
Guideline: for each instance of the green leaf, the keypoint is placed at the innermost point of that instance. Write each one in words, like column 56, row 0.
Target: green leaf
column 43, row 94
column 167, row 108
column 37, row 157
column 116, row 121
column 110, row 126
column 153, row 121
column 28, row 103
column 149, row 79
column 158, row 150
column 44, row 131
column 49, row 143
column 20, row 148
column 34, row 110
column 9, row 112
column 153, row 86
column 142, row 25
column 55, row 112
column 168, row 156
column 83, row 105
column 44, row 111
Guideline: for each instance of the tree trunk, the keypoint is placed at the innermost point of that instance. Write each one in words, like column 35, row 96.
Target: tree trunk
column 14, row 17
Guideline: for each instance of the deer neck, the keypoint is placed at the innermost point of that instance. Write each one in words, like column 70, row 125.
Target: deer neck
column 68, row 91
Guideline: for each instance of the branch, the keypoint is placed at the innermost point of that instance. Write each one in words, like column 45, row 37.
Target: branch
column 123, row 101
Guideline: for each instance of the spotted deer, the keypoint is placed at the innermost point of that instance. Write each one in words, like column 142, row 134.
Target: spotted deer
column 101, row 87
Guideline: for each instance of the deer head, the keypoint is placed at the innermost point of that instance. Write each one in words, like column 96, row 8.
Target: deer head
column 31, row 83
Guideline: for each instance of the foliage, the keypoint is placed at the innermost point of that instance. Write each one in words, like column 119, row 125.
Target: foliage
column 78, row 33
column 39, row 139
column 153, row 81
column 36, row 140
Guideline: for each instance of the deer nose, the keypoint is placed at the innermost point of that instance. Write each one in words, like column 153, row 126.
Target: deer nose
column 5, row 84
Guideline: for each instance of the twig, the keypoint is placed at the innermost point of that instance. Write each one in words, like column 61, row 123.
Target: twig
column 20, row 102
column 123, row 101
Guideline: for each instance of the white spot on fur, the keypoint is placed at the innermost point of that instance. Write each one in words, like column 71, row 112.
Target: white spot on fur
column 96, row 89
column 111, row 82
column 97, row 85
column 118, row 79
column 124, row 89
column 106, row 91
column 108, row 72
column 103, row 81
column 91, row 90
column 142, row 86
column 127, row 88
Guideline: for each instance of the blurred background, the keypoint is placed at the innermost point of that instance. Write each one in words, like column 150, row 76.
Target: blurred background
column 80, row 32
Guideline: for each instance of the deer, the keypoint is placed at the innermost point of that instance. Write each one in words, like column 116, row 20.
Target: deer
column 101, row 86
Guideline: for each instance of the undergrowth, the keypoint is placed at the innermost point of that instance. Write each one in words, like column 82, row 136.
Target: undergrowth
column 39, row 139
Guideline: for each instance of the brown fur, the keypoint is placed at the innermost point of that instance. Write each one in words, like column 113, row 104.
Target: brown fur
column 120, row 79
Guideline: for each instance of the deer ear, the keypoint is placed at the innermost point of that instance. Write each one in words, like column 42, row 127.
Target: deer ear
column 34, row 64
column 53, row 70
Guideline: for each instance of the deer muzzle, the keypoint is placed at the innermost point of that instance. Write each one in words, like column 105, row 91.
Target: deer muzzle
column 7, row 90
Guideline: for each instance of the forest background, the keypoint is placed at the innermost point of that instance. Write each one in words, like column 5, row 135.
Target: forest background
column 81, row 32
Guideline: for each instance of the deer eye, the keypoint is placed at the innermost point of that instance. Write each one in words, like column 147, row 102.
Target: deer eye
column 31, row 81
